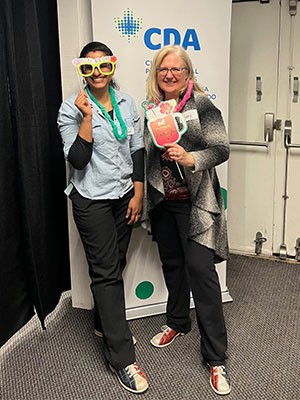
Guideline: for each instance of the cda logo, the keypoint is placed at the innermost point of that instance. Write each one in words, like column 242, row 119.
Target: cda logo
column 155, row 38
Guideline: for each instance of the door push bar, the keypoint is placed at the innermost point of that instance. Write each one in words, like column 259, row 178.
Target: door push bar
column 269, row 125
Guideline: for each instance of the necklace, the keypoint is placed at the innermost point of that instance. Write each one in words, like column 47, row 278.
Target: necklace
column 186, row 96
column 117, row 111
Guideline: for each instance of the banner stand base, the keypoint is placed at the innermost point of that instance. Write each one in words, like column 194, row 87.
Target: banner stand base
column 160, row 308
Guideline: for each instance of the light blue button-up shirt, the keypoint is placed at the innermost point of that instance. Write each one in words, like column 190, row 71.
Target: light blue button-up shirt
column 108, row 173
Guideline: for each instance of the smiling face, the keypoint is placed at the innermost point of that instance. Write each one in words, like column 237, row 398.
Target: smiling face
column 97, row 80
column 171, row 83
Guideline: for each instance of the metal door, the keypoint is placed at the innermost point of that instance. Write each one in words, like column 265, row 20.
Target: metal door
column 263, row 193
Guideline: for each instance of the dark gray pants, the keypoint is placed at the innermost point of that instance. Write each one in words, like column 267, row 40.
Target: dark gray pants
column 105, row 236
column 189, row 265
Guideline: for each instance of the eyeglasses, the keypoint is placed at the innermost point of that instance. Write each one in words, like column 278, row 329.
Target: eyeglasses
column 86, row 66
column 174, row 71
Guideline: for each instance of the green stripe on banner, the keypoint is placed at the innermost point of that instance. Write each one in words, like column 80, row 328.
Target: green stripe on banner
column 224, row 194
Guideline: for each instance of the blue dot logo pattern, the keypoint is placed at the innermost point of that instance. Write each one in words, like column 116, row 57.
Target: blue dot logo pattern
column 128, row 26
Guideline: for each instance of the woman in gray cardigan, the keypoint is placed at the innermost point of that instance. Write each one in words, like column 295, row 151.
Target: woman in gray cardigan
column 184, row 211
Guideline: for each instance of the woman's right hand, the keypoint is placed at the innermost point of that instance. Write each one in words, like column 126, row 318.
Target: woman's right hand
column 83, row 105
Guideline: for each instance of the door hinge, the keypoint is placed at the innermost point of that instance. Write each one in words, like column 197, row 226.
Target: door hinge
column 296, row 89
column 258, row 88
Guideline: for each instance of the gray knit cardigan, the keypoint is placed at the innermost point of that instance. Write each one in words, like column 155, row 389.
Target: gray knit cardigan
column 207, row 141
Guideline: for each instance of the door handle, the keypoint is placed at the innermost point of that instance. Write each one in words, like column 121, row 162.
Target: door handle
column 288, row 136
column 269, row 125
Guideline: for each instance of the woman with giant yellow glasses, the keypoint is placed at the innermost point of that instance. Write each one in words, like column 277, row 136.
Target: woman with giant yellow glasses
column 103, row 144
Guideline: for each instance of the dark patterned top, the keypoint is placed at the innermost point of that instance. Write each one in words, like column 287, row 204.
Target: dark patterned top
column 173, row 179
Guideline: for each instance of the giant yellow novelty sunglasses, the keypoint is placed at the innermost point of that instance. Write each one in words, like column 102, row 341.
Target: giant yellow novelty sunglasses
column 86, row 66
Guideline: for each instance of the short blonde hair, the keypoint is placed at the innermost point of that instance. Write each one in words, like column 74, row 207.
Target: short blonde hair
column 154, row 93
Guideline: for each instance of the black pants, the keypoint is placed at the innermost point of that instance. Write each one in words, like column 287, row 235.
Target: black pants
column 105, row 235
column 189, row 265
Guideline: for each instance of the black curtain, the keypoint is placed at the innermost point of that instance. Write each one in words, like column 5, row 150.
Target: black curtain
column 34, row 254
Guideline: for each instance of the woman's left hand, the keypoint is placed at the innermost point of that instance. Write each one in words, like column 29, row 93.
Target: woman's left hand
column 177, row 153
column 134, row 209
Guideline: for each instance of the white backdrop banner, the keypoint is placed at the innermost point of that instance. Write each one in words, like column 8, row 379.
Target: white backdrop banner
column 135, row 31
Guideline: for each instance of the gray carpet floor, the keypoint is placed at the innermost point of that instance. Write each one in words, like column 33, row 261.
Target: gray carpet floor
column 65, row 362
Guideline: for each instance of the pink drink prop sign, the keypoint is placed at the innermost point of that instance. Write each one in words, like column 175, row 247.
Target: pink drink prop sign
column 162, row 122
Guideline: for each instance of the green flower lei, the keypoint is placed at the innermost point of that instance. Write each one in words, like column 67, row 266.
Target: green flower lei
column 117, row 111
